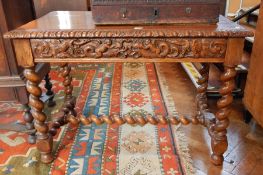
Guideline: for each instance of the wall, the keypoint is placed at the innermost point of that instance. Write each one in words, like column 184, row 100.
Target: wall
column 234, row 4
column 43, row 7
column 253, row 97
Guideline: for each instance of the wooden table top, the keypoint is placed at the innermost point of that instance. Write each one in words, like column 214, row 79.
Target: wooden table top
column 77, row 24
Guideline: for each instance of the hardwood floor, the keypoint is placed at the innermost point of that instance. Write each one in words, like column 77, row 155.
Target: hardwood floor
column 245, row 151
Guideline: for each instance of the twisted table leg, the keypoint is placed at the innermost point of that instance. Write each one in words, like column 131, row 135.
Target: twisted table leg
column 44, row 140
column 29, row 119
column 201, row 98
column 70, row 101
column 50, row 93
column 203, row 82
column 218, row 130
column 68, row 112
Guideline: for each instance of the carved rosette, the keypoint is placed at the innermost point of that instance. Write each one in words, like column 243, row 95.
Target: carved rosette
column 129, row 48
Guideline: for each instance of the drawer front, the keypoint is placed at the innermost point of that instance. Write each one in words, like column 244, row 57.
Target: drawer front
column 150, row 14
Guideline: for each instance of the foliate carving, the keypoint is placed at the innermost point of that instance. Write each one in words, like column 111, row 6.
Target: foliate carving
column 129, row 48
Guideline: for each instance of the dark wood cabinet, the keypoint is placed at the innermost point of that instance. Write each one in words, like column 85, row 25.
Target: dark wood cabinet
column 253, row 98
column 13, row 13
column 155, row 12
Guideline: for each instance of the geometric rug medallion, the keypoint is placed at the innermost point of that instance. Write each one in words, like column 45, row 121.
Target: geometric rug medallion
column 130, row 88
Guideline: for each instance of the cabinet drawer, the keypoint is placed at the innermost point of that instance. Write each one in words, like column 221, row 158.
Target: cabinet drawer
column 151, row 14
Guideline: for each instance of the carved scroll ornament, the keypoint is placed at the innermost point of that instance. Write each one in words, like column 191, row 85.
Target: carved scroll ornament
column 129, row 48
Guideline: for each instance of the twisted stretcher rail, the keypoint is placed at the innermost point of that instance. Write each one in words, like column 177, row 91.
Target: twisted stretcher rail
column 132, row 120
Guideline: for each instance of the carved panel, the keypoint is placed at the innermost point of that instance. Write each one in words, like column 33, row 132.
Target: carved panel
column 146, row 1
column 129, row 48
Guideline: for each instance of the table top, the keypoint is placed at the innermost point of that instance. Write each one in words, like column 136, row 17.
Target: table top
column 79, row 24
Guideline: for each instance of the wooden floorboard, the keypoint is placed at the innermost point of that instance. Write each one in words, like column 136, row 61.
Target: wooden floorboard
column 245, row 152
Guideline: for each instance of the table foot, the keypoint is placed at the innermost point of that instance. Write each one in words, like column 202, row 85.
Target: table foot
column 46, row 158
column 45, row 147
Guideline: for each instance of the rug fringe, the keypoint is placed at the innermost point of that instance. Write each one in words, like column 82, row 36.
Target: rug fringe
column 181, row 140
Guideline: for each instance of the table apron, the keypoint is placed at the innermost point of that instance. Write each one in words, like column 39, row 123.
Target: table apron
column 129, row 50
column 118, row 60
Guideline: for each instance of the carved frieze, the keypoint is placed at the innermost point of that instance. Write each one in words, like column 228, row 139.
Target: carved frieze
column 129, row 48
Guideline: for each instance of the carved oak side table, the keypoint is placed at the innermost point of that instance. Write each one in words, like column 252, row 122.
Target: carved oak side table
column 72, row 37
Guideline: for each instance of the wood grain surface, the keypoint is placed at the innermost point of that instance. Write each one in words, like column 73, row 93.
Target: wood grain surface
column 78, row 24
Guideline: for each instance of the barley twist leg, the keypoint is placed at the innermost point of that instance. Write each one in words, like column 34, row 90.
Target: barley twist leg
column 50, row 93
column 203, row 82
column 68, row 112
column 29, row 119
column 44, row 140
column 218, row 130
column 201, row 98
column 70, row 100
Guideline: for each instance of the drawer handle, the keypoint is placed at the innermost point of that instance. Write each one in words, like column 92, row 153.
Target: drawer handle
column 188, row 10
column 123, row 12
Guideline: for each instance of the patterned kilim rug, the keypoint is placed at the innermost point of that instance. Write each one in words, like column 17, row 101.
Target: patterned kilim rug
column 128, row 150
